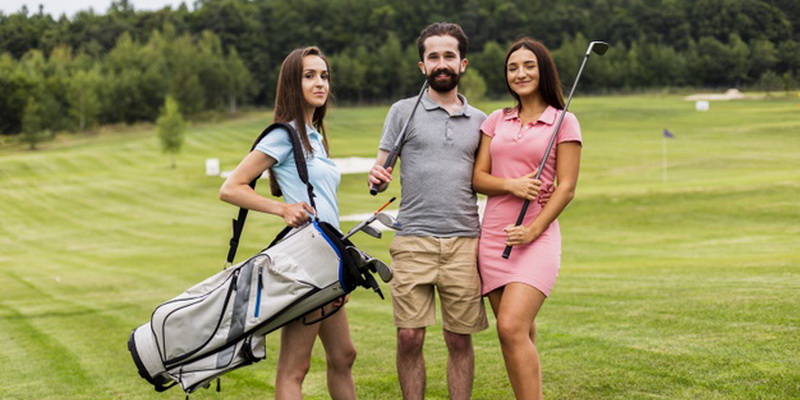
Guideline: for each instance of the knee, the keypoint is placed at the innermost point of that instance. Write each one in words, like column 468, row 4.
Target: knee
column 458, row 343
column 294, row 372
column 511, row 332
column 410, row 340
column 342, row 359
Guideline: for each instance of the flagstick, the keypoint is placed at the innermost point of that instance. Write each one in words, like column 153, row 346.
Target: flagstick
column 664, row 158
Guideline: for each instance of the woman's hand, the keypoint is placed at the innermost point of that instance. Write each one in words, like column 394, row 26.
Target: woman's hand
column 518, row 235
column 297, row 214
column 525, row 187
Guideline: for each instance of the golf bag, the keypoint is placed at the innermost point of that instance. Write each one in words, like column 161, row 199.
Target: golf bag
column 219, row 324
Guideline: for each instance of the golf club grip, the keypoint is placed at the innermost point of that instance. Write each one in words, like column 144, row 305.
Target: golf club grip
column 520, row 217
column 390, row 160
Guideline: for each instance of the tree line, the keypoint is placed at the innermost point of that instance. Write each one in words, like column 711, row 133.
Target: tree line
column 70, row 72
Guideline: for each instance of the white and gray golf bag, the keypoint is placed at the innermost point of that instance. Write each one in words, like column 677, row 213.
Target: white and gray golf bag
column 219, row 324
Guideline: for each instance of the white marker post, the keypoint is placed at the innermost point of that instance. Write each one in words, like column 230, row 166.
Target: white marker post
column 212, row 167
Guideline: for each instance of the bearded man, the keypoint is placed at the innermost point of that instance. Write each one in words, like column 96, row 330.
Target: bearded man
column 436, row 250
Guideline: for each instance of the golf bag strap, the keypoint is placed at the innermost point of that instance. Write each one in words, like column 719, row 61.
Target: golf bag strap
column 302, row 171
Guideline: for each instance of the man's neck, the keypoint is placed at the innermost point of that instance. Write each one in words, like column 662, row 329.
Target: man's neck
column 448, row 100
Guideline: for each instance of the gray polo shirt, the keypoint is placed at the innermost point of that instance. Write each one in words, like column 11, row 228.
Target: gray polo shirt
column 437, row 157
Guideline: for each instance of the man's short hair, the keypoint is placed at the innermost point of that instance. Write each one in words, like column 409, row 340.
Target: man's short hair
column 443, row 29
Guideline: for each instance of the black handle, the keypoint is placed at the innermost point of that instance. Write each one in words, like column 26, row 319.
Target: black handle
column 390, row 160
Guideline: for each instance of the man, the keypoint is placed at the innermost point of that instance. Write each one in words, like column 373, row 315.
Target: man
column 437, row 246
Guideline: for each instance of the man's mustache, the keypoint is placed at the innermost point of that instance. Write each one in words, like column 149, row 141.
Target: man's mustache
column 442, row 71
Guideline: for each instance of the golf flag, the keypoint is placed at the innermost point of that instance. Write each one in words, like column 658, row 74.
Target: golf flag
column 667, row 134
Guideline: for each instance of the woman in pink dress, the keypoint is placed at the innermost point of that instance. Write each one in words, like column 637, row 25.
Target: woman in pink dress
column 513, row 142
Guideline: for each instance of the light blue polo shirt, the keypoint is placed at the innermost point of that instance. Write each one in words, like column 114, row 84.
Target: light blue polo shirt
column 322, row 172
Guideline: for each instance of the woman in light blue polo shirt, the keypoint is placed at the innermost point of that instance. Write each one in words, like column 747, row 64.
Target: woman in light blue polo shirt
column 301, row 99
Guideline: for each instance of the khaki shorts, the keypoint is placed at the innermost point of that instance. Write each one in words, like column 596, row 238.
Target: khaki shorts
column 422, row 263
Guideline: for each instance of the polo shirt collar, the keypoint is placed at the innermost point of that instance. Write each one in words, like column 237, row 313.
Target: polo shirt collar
column 311, row 131
column 548, row 116
column 431, row 104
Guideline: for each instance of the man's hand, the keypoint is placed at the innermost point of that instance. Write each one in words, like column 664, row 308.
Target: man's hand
column 380, row 176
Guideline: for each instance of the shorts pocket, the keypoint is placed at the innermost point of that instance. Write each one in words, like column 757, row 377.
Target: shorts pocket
column 401, row 248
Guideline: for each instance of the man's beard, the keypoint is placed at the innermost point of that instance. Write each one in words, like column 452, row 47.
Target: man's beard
column 446, row 85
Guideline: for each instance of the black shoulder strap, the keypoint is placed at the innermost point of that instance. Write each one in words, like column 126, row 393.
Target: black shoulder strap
column 302, row 171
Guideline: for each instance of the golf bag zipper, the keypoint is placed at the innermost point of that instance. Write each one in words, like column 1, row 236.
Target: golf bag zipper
column 258, row 294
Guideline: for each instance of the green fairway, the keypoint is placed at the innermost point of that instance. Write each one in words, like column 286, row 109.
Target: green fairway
column 687, row 288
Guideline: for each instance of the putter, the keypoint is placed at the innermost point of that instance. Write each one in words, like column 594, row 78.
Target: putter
column 599, row 48
column 392, row 158
column 363, row 225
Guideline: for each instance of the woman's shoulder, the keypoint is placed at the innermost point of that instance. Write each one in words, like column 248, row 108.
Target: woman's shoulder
column 570, row 118
column 277, row 133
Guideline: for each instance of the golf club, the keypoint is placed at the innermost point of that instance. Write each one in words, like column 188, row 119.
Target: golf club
column 363, row 224
column 392, row 158
column 599, row 48
column 389, row 221
column 371, row 231
column 366, row 262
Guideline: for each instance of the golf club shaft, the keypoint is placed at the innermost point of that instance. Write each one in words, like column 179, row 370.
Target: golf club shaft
column 386, row 204
column 368, row 220
column 392, row 158
column 524, row 210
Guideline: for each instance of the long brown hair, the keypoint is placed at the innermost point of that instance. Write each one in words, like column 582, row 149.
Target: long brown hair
column 549, row 82
column 290, row 105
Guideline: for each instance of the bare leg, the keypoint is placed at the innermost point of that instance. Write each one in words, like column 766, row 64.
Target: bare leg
column 516, row 307
column 340, row 354
column 411, row 363
column 294, row 359
column 460, row 365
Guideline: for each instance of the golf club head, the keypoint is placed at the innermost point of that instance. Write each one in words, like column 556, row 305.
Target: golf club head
column 389, row 221
column 384, row 271
column 598, row 47
column 371, row 231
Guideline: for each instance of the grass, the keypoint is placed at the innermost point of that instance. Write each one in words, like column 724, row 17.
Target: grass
column 685, row 289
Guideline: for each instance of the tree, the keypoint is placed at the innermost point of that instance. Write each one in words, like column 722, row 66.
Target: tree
column 238, row 79
column 489, row 64
column 33, row 123
column 473, row 86
column 171, row 128
column 83, row 96
column 15, row 86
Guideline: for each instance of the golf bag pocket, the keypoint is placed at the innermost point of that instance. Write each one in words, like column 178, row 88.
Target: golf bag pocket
column 200, row 372
column 207, row 310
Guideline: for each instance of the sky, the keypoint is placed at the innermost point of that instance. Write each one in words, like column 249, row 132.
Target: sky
column 70, row 7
